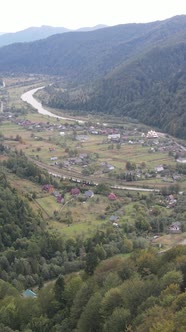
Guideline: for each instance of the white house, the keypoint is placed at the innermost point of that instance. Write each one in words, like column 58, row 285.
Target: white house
column 152, row 134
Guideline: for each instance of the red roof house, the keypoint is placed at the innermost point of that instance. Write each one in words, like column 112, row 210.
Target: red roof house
column 48, row 188
column 75, row 191
column 112, row 197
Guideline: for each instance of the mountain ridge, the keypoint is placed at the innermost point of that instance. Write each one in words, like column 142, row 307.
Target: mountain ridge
column 36, row 33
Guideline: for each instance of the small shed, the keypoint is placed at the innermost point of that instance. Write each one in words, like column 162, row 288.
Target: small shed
column 29, row 293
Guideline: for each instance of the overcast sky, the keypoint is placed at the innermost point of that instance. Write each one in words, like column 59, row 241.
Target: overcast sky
column 17, row 15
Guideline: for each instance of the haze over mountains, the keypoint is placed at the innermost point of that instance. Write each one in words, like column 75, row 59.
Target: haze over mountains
column 135, row 70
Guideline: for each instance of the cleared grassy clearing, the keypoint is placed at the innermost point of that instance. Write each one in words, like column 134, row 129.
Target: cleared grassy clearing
column 23, row 185
column 170, row 240
column 48, row 204
column 83, row 229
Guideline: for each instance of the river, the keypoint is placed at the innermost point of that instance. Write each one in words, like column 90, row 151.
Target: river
column 28, row 97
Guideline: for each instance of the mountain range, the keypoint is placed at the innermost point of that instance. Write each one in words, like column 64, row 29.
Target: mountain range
column 37, row 33
column 135, row 70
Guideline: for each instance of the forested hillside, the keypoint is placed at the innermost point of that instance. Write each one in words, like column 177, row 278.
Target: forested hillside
column 151, row 89
column 88, row 55
column 135, row 70
column 140, row 294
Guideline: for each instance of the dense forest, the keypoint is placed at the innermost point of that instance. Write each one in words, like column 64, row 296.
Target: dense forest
column 142, row 293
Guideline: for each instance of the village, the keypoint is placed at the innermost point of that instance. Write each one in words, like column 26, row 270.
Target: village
column 78, row 157
column 103, row 173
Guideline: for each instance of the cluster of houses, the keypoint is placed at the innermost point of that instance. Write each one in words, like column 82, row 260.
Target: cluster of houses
column 156, row 142
column 113, row 134
column 49, row 188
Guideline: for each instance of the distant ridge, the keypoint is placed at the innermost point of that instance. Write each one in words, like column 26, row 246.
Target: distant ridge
column 96, row 27
column 30, row 34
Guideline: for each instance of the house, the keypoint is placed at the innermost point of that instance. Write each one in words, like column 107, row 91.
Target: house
column 152, row 134
column 114, row 137
column 113, row 218
column 53, row 158
column 60, row 199
column 48, row 188
column 29, row 293
column 108, row 168
column 159, row 169
column 89, row 193
column 175, row 228
column 112, row 197
column 75, row 191
column 171, row 201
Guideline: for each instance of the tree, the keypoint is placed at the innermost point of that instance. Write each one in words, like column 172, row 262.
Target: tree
column 40, row 324
column 118, row 321
column 91, row 262
column 102, row 188
column 111, row 301
column 172, row 277
column 80, row 301
column 59, row 288
column 90, row 319
column 71, row 289
column 130, row 166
